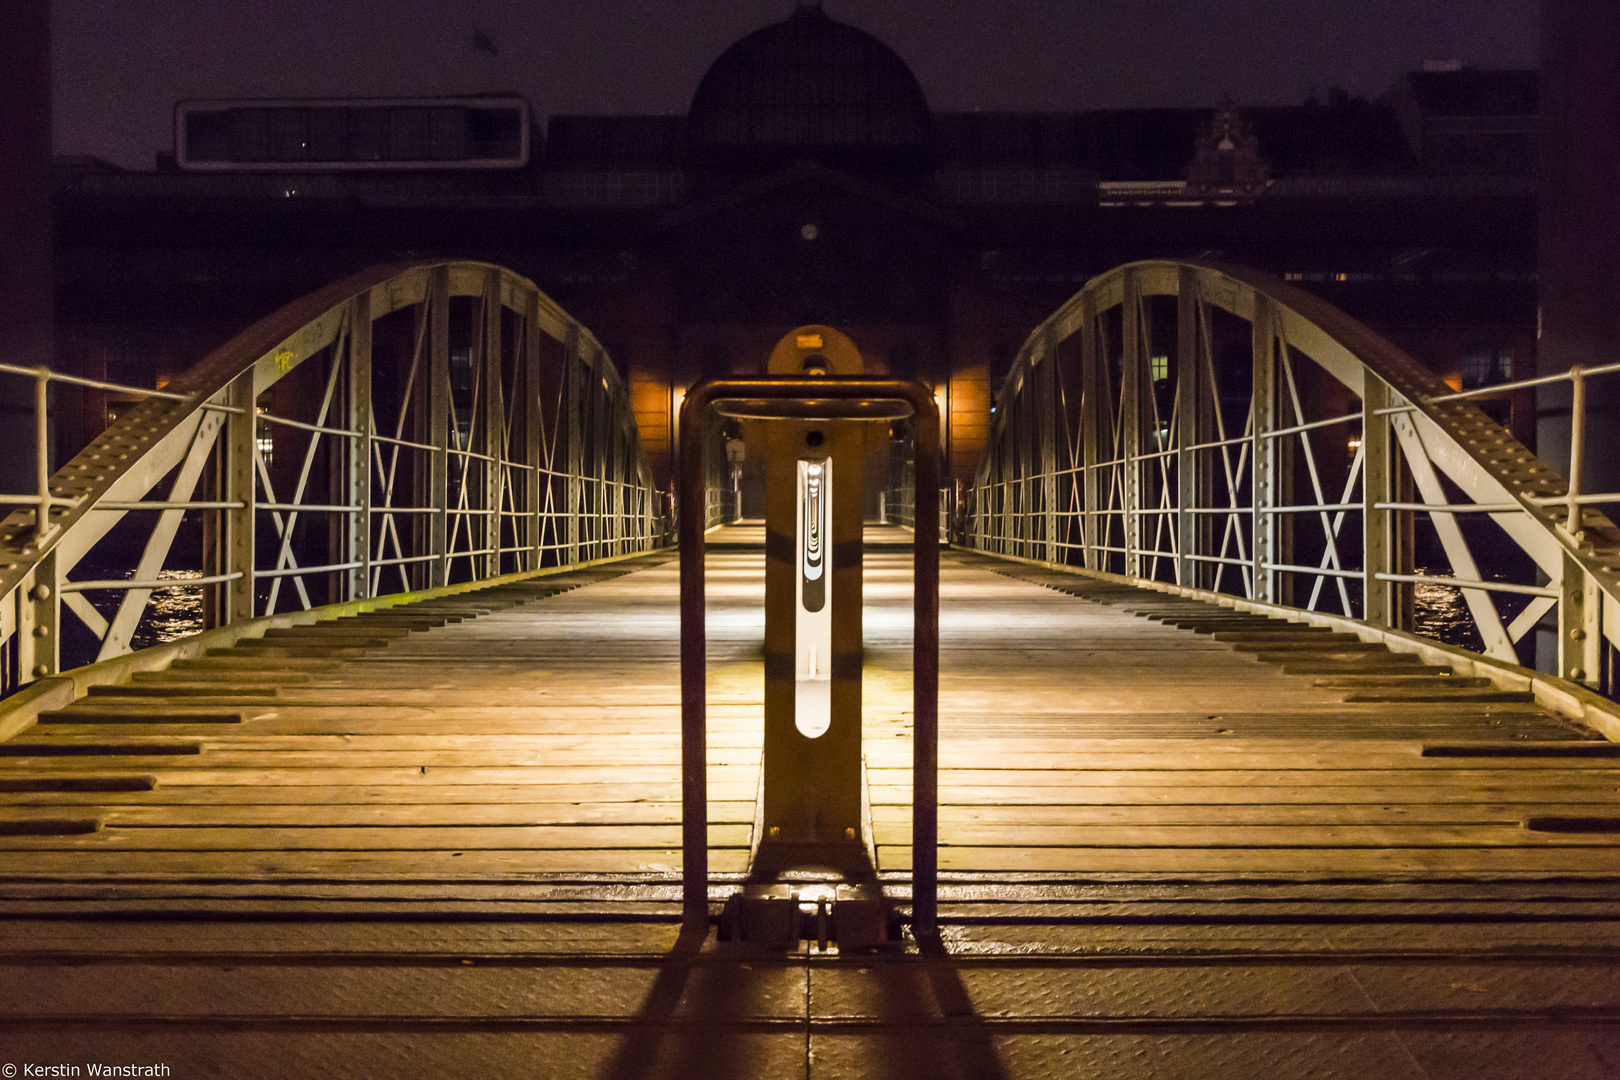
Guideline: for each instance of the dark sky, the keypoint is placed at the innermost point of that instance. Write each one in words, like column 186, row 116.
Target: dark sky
column 121, row 66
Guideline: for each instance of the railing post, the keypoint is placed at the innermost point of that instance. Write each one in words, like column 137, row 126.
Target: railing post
column 573, row 373
column 241, row 488
column 42, row 454
column 1376, row 487
column 1047, row 384
column 492, row 422
column 360, row 447
column 39, row 652
column 534, row 454
column 1264, row 452
column 438, row 406
column 1577, row 449
column 1092, row 379
column 1580, row 624
column 1189, row 431
column 1130, row 415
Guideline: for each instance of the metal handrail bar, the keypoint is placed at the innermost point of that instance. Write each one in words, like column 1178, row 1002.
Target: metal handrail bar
column 314, row 508
column 165, row 504
column 33, row 500
column 1332, row 421
column 298, row 571
column 271, row 418
column 1463, row 583
column 1522, row 384
column 391, row 441
column 403, row 559
column 161, row 583
column 101, row 384
column 1453, row 508
column 1322, row 571
column 1570, row 375
column 1223, row 559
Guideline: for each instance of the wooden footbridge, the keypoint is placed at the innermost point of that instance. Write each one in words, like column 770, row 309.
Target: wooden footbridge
column 438, row 831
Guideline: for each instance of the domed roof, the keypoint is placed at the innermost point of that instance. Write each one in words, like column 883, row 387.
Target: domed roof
column 808, row 83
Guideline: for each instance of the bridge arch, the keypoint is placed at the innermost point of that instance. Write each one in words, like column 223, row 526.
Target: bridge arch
column 409, row 427
column 1132, row 438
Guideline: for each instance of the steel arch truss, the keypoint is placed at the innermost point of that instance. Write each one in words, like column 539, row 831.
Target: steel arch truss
column 409, row 427
column 1213, row 427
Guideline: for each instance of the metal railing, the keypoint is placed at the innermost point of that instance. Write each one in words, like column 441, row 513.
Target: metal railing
column 409, row 427
column 898, row 501
column 1212, row 427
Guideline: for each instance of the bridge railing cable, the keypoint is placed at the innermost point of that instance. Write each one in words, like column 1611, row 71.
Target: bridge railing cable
column 1214, row 428
column 411, row 427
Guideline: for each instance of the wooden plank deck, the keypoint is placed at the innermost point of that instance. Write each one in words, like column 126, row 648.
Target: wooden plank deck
column 532, row 731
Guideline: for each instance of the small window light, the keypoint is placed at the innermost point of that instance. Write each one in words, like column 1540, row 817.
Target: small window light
column 809, row 341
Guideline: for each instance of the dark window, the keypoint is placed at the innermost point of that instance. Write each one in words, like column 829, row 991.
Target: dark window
column 130, row 364
column 208, row 136
column 288, row 135
column 1484, row 365
column 250, row 134
column 325, row 135
column 407, row 134
column 368, row 134
column 903, row 360
column 494, row 133
column 1002, row 355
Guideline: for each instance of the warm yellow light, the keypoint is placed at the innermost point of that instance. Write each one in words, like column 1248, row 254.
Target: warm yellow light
column 808, row 341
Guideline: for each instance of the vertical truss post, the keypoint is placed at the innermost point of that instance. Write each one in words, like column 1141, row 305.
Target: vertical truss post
column 1580, row 625
column 1092, row 377
column 241, row 487
column 573, row 371
column 534, row 454
column 1265, row 450
column 1189, row 431
column 1025, row 410
column 1130, row 416
column 493, row 422
column 438, row 406
column 39, row 653
column 1048, row 404
column 358, row 480
column 1376, row 487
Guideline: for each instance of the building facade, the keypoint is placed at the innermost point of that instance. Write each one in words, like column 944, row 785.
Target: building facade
column 810, row 183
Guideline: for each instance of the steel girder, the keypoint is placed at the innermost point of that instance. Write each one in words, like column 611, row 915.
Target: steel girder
column 512, row 461
column 1151, row 471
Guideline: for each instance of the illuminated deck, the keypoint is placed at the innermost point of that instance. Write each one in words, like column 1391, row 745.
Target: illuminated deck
column 447, row 837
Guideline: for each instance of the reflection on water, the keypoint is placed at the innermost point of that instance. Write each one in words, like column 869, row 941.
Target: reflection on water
column 171, row 614
column 1440, row 612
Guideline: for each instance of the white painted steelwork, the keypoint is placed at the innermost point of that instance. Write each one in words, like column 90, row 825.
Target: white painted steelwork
column 504, row 444
column 1134, row 438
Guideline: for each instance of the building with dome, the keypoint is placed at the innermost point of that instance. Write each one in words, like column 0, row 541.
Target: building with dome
column 811, row 182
